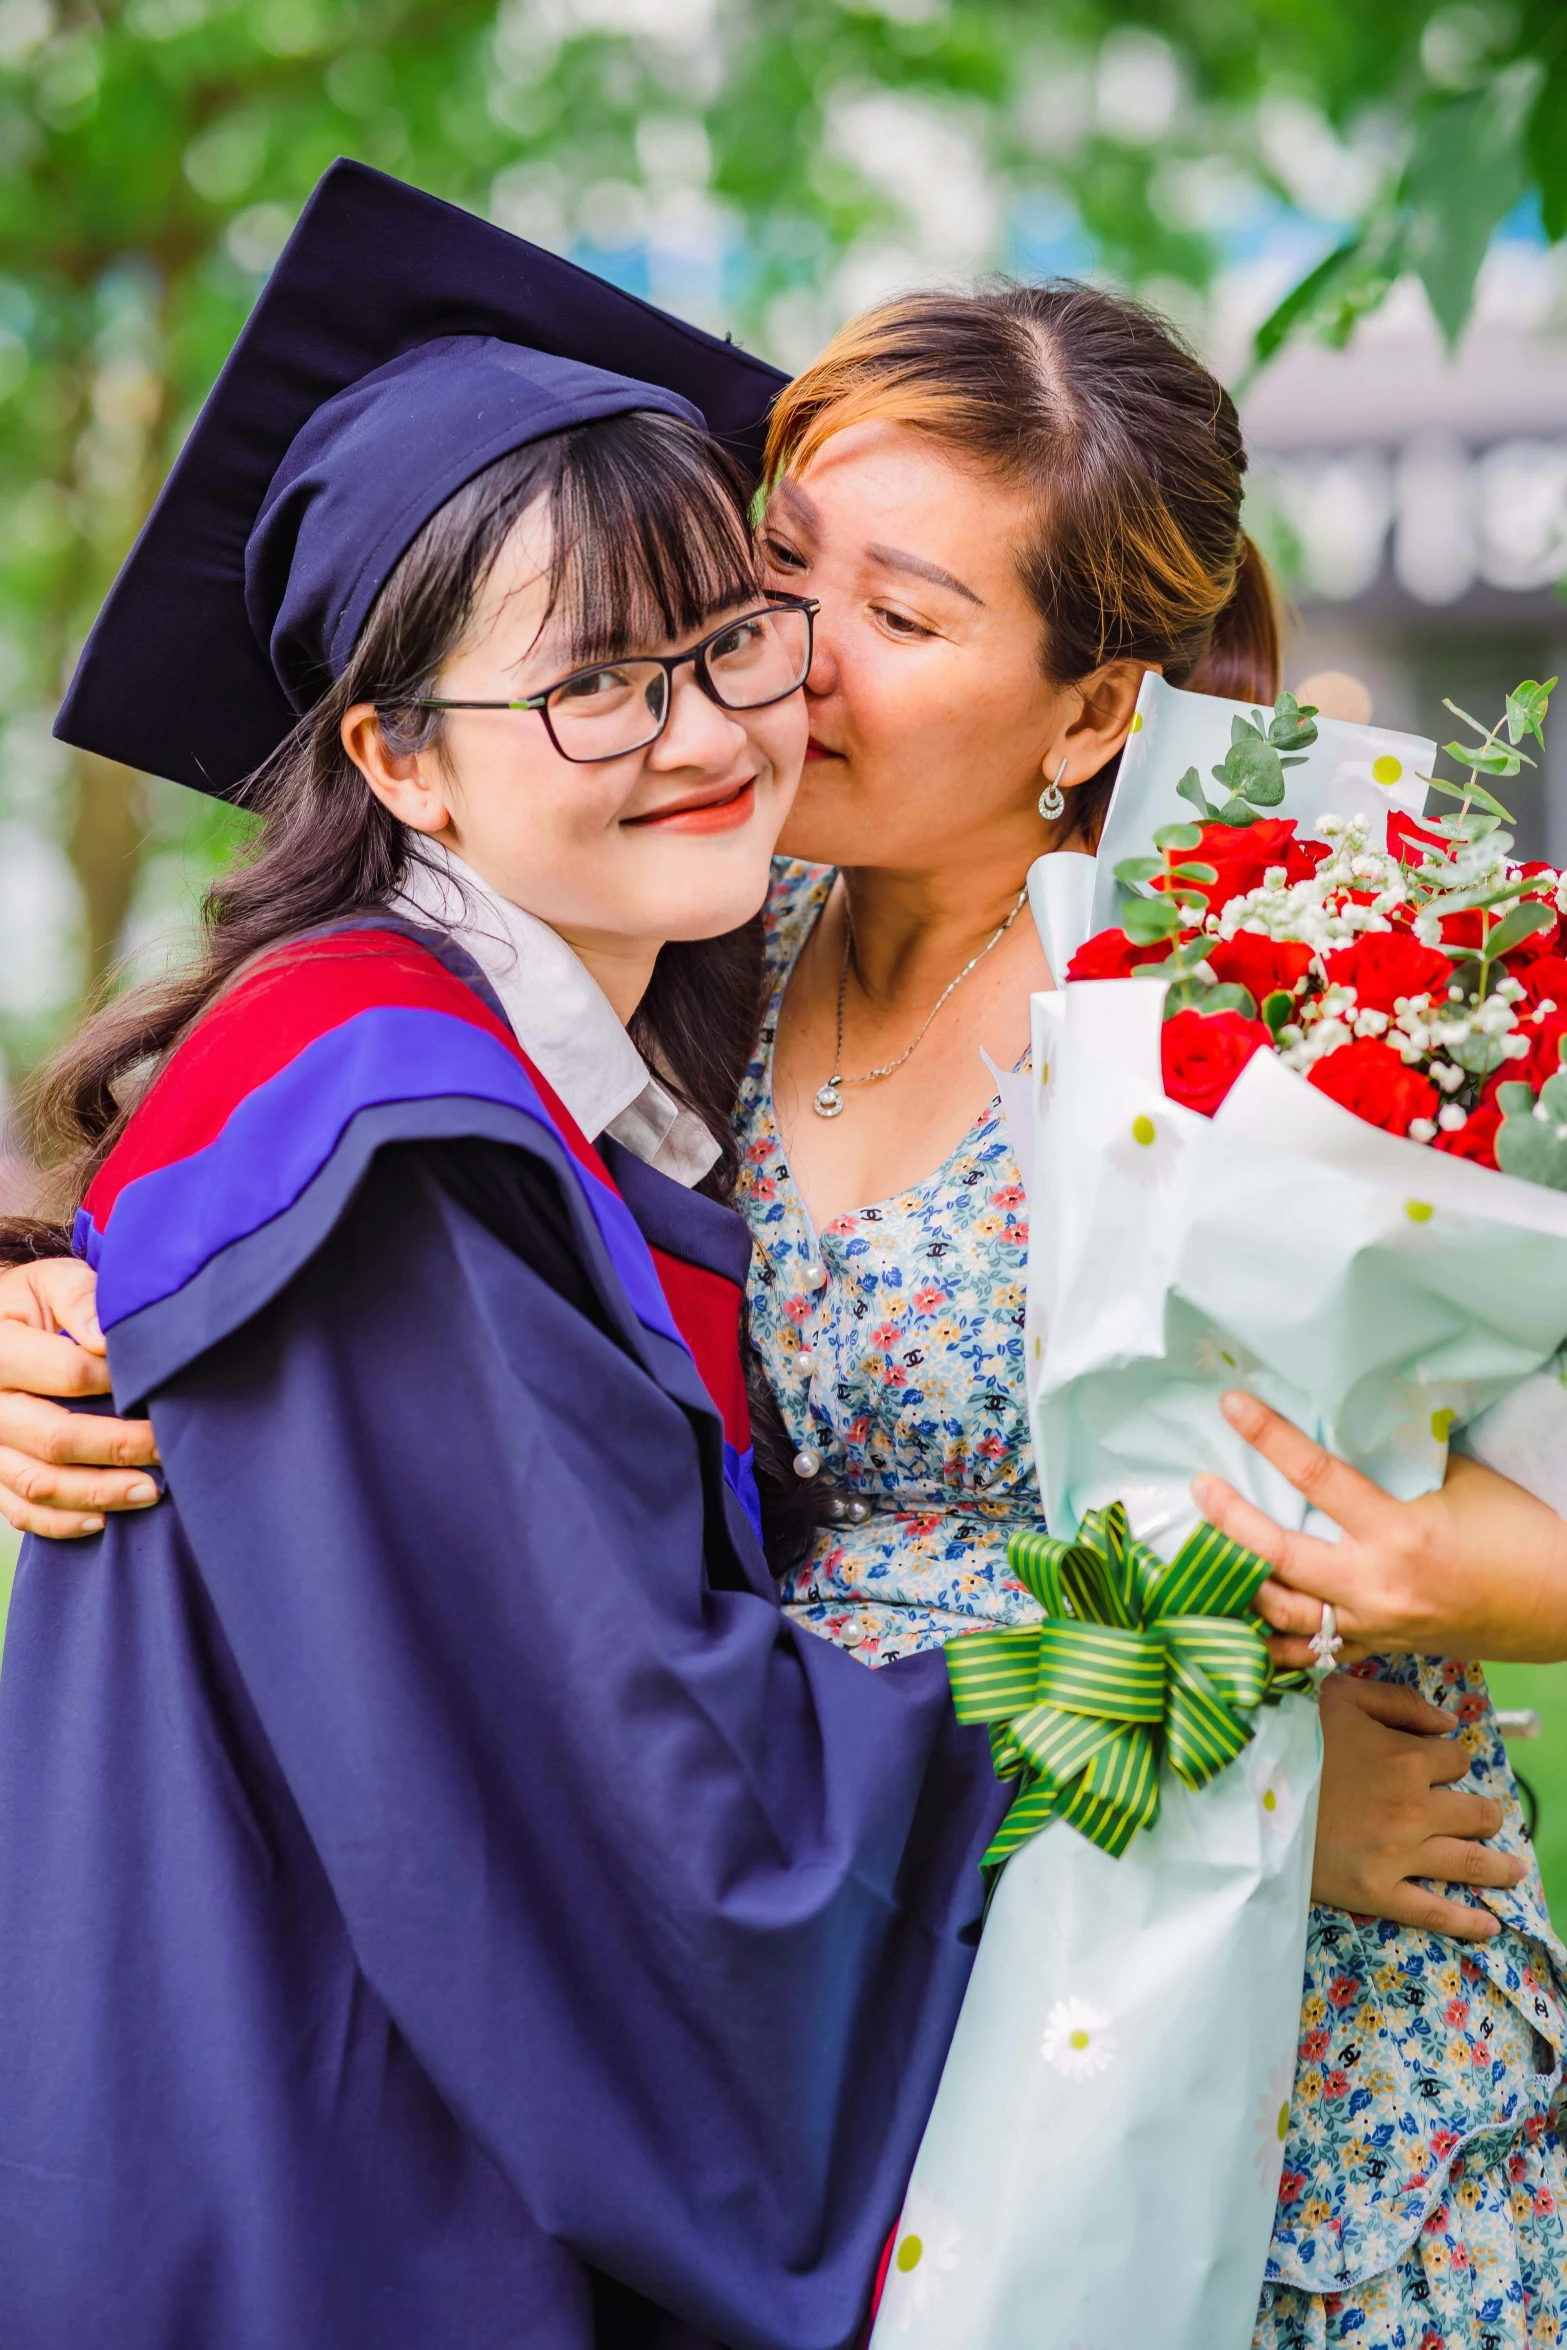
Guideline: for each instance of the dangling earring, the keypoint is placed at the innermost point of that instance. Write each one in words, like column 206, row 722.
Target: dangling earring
column 1052, row 800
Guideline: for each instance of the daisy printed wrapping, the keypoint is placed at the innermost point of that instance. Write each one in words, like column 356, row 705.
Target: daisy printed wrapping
column 1102, row 2163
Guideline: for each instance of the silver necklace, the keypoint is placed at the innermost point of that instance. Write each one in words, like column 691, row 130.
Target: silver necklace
column 828, row 1100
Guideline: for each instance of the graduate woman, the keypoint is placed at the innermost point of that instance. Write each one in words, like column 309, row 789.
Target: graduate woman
column 515, row 1935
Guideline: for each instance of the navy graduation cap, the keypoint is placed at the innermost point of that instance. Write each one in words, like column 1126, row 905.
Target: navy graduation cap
column 399, row 346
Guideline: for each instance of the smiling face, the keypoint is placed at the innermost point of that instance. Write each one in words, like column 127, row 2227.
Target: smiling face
column 933, row 723
column 617, row 855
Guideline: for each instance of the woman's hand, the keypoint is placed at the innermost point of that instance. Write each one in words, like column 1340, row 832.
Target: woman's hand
column 60, row 1470
column 1388, row 1817
column 1478, row 1569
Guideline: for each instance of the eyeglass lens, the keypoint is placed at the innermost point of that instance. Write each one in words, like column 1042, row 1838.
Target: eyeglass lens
column 607, row 712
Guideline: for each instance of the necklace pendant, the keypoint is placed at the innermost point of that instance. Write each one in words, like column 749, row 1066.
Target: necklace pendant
column 828, row 1102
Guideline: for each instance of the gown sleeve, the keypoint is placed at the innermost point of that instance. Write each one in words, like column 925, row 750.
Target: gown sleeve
column 673, row 1905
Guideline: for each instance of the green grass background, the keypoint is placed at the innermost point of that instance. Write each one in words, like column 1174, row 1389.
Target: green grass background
column 1542, row 1761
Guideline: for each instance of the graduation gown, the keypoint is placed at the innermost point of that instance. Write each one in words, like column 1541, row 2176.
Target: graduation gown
column 443, row 1904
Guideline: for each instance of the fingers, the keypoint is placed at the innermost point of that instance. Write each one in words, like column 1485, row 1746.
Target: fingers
column 1452, row 1860
column 1447, row 1760
column 1395, row 1705
column 40, row 1364
column 1340, row 1492
column 47, row 1433
column 1420, row 1905
column 1294, row 1656
column 68, row 1292
column 1308, row 1564
column 1474, row 1818
column 58, row 1525
column 35, row 1485
column 1286, row 1610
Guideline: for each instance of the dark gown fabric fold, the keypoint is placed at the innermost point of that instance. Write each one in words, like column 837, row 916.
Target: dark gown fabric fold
column 442, row 1903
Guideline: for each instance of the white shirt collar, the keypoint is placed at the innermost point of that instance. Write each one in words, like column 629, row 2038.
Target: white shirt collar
column 560, row 1016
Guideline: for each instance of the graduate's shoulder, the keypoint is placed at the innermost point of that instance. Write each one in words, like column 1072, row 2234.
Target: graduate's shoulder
column 337, row 1019
column 248, row 1146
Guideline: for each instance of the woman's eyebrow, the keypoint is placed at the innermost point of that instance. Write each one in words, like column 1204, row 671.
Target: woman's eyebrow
column 795, row 504
column 895, row 559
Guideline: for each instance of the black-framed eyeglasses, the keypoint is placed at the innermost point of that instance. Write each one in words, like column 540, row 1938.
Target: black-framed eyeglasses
column 621, row 706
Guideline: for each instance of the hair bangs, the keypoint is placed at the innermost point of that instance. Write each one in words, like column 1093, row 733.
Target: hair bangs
column 651, row 534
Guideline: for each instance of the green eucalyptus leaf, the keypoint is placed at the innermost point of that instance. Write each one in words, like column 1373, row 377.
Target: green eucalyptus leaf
column 1487, row 759
column 1195, row 872
column 1475, row 793
column 1526, row 708
column 1477, row 1056
column 1190, row 788
column 1523, row 922
column 1147, row 920
column 1236, row 811
column 1277, row 1006
column 1251, row 768
column 1292, row 727
column 1532, row 1149
column 1515, row 1100
column 1178, row 836
column 1458, row 711
column 1226, row 997
column 1133, row 870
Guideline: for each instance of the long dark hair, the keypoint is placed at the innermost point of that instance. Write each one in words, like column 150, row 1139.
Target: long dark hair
column 1131, row 450
column 649, row 538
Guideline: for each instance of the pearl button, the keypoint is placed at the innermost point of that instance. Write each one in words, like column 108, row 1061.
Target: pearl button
column 815, row 1276
column 805, row 1361
column 857, row 1512
column 807, row 1462
column 837, row 1509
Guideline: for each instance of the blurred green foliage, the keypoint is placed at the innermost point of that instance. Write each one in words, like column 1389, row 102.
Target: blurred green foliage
column 766, row 164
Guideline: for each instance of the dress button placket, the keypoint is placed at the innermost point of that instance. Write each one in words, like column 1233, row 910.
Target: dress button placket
column 808, row 1461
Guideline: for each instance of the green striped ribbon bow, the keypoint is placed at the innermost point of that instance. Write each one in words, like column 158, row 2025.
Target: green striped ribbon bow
column 1135, row 1661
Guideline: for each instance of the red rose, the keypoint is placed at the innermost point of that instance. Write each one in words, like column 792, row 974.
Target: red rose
column 1544, row 1051
column 1241, row 854
column 1370, row 1079
column 1539, row 942
column 1462, row 930
column 1476, row 1138
column 1302, row 857
column 1406, row 838
column 1204, row 1052
column 1541, row 976
column 1262, row 964
column 1110, row 954
column 1383, row 965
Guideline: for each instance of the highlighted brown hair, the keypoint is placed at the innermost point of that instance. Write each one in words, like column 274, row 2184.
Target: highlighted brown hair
column 1131, row 449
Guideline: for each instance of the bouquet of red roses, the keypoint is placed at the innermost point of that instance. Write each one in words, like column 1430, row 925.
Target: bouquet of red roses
column 1421, row 986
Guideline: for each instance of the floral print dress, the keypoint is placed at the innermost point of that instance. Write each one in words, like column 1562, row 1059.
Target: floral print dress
column 1423, row 2203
